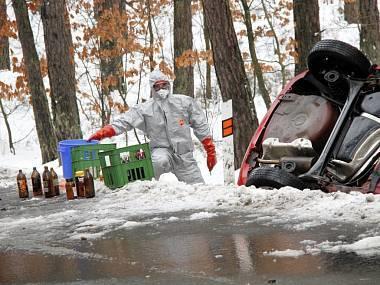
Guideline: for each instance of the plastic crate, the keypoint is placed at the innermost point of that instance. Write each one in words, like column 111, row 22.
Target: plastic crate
column 87, row 156
column 64, row 149
column 121, row 166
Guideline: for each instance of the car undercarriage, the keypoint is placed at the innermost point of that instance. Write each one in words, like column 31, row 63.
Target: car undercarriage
column 323, row 130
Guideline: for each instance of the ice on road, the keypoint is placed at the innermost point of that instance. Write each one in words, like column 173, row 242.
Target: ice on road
column 49, row 225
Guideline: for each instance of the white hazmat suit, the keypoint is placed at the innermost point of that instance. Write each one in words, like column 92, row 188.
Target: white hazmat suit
column 166, row 119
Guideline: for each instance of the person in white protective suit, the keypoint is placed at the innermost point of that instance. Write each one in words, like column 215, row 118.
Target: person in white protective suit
column 166, row 119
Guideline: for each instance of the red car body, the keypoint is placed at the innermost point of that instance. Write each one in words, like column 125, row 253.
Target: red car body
column 245, row 167
column 323, row 129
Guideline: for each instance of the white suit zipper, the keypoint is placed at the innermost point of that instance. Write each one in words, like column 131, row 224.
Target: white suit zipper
column 166, row 127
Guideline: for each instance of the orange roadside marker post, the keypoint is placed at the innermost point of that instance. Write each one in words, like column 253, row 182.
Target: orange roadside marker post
column 228, row 143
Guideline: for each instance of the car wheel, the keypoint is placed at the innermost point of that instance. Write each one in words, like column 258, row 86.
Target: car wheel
column 336, row 55
column 274, row 178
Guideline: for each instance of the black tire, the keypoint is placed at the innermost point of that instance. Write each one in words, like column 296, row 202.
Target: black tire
column 274, row 178
column 337, row 55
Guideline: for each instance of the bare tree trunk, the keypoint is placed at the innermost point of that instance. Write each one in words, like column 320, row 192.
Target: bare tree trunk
column 111, row 60
column 5, row 116
column 44, row 126
column 232, row 79
column 252, row 49
column 370, row 29
column 351, row 12
column 4, row 41
column 307, row 33
column 277, row 48
column 183, row 41
column 61, row 68
column 208, row 66
column 151, row 38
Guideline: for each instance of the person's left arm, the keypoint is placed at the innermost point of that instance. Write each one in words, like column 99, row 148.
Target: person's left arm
column 198, row 120
column 201, row 130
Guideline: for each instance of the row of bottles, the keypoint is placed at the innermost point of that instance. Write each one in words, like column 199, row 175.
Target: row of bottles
column 83, row 187
column 48, row 186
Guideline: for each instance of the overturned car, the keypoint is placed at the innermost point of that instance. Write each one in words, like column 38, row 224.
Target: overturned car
column 323, row 130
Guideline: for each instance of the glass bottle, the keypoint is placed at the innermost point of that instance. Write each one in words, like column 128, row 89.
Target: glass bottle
column 79, row 182
column 140, row 154
column 36, row 183
column 48, row 185
column 89, row 186
column 22, row 185
column 54, row 178
column 71, row 190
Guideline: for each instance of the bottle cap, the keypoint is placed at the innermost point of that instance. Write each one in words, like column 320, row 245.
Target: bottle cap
column 79, row 173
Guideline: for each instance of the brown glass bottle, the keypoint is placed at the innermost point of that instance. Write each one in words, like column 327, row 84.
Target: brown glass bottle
column 22, row 185
column 36, row 183
column 47, row 182
column 79, row 183
column 55, row 181
column 89, row 186
column 71, row 190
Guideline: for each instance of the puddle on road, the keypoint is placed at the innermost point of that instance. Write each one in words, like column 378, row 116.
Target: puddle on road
column 221, row 250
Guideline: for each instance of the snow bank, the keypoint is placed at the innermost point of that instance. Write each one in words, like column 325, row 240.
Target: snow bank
column 145, row 202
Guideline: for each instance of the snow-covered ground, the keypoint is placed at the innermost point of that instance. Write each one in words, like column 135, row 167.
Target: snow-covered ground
column 34, row 223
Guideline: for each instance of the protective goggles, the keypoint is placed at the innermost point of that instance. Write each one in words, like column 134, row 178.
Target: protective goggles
column 161, row 85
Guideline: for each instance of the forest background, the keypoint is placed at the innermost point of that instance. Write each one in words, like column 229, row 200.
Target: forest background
column 71, row 66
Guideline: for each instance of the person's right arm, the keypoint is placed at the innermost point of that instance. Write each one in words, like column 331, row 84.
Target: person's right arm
column 125, row 122
column 133, row 118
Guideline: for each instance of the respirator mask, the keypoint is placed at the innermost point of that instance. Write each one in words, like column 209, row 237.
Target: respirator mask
column 161, row 88
column 162, row 93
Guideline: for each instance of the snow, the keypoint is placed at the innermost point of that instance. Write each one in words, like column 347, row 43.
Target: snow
column 369, row 246
column 144, row 202
column 285, row 253
column 202, row 215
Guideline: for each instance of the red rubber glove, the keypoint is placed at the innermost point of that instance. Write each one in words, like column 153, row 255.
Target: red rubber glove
column 105, row 132
column 209, row 146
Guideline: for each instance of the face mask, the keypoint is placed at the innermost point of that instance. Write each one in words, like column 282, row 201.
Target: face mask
column 162, row 93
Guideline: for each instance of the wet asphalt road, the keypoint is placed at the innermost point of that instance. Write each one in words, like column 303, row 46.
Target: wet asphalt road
column 223, row 250
column 227, row 249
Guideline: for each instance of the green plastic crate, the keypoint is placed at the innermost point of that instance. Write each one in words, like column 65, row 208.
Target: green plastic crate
column 87, row 156
column 118, row 170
